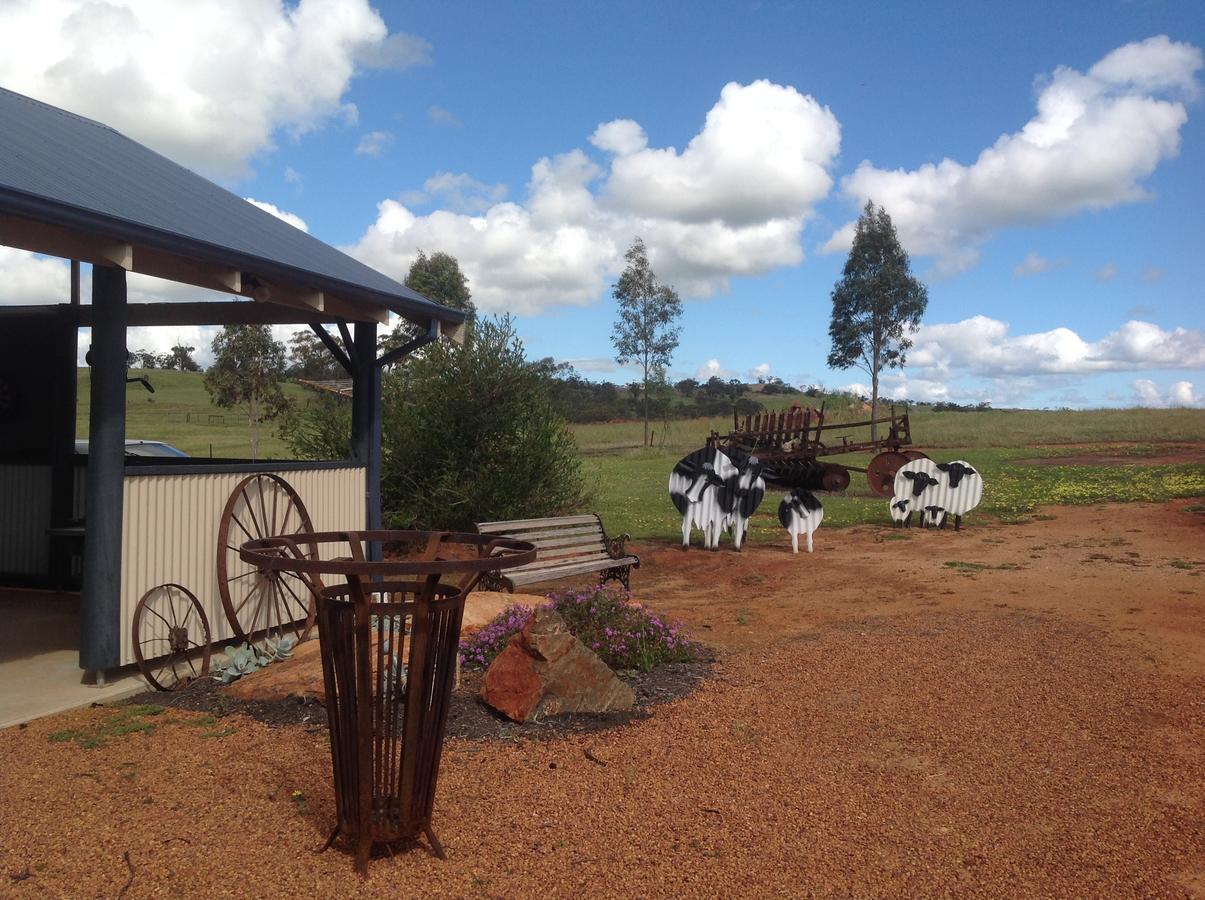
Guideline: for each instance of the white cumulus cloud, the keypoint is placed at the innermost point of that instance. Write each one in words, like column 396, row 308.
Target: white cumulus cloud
column 712, row 368
column 292, row 218
column 762, row 370
column 786, row 138
column 1181, row 393
column 732, row 203
column 27, row 279
column 1095, row 137
column 208, row 83
column 459, row 192
column 982, row 346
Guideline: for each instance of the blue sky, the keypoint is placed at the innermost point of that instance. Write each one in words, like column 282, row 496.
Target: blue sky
column 1043, row 163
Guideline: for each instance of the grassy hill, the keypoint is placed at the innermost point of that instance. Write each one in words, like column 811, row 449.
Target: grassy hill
column 936, row 428
column 628, row 482
column 180, row 413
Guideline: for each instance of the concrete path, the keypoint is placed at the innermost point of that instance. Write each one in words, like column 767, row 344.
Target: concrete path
column 39, row 659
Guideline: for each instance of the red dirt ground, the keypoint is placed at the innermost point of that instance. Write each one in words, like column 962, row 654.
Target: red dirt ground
column 879, row 724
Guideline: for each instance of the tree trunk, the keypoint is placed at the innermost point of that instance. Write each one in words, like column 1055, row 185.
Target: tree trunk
column 874, row 404
column 874, row 385
column 646, row 410
column 254, row 430
column 645, row 402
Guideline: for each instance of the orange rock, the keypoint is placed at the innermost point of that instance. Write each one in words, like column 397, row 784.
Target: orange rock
column 545, row 671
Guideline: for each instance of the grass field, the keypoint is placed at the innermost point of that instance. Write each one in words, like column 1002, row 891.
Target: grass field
column 628, row 483
column 987, row 428
column 630, row 490
column 180, row 413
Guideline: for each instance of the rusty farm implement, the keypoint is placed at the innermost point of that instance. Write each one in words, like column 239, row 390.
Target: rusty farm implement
column 718, row 487
column 793, row 447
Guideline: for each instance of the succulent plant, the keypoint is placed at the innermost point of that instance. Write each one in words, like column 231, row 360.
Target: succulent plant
column 244, row 659
column 241, row 660
column 282, row 649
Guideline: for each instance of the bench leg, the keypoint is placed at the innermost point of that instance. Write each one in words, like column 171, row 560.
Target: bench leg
column 615, row 573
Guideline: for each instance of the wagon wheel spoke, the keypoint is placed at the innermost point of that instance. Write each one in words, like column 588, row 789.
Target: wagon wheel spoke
column 250, row 593
column 239, row 522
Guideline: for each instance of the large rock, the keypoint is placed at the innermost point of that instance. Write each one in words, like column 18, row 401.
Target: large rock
column 545, row 670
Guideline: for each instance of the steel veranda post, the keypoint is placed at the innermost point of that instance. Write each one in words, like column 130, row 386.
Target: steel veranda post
column 100, row 594
column 366, row 424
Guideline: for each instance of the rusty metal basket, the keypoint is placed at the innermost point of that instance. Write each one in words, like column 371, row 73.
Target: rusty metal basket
column 389, row 638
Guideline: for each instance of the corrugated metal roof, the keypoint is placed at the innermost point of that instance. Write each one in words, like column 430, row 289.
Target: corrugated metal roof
column 65, row 170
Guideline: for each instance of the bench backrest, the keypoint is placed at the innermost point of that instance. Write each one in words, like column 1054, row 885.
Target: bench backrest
column 559, row 541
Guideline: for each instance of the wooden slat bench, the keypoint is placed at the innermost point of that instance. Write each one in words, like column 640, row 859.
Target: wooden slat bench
column 565, row 546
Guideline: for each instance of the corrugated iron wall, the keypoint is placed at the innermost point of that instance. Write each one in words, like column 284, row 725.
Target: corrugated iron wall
column 24, row 518
column 170, row 531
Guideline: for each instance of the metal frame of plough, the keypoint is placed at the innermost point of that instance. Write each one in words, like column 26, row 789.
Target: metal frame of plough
column 790, row 445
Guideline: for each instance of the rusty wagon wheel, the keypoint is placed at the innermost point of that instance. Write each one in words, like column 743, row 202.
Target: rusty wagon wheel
column 170, row 630
column 264, row 605
column 880, row 473
column 913, row 455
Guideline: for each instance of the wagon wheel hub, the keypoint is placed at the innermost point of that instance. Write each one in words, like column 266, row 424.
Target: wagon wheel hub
column 177, row 639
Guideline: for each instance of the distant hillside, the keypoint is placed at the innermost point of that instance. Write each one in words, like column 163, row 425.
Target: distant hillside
column 180, row 413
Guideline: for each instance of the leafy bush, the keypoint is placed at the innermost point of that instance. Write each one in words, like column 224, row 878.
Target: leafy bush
column 468, row 434
column 602, row 618
column 319, row 429
column 471, row 434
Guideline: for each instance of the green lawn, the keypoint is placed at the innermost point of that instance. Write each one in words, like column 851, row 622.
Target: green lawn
column 631, row 490
column 629, row 485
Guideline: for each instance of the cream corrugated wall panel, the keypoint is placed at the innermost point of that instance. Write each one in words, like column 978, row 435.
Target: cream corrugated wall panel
column 24, row 518
column 170, row 531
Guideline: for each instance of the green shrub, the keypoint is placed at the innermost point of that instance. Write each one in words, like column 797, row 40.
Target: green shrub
column 468, row 434
column 471, row 435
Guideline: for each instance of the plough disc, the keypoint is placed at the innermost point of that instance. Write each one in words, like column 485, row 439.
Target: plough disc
column 834, row 477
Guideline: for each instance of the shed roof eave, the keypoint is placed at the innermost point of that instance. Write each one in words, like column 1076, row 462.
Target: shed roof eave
column 88, row 223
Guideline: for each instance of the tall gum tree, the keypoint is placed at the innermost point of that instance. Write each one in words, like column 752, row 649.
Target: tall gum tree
column 645, row 331
column 877, row 304
column 437, row 277
column 248, row 367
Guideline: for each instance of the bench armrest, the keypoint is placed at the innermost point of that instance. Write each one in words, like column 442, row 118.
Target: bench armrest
column 615, row 545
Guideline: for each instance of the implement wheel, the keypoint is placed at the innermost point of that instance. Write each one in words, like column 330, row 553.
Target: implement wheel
column 171, row 637
column 880, row 474
column 263, row 606
column 913, row 455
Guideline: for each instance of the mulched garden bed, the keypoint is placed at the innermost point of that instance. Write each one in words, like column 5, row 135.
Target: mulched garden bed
column 468, row 719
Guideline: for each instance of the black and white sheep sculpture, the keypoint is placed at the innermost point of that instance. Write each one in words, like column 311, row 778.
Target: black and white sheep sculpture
column 699, row 486
column 800, row 513
column 716, row 492
column 742, row 501
column 935, row 491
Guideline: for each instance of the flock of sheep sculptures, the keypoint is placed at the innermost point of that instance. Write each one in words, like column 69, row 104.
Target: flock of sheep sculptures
column 717, row 493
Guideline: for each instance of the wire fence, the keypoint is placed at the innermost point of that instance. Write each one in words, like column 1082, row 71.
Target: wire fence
column 220, row 420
